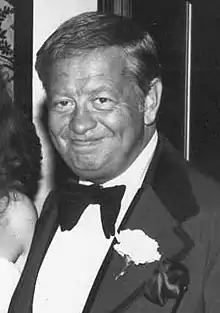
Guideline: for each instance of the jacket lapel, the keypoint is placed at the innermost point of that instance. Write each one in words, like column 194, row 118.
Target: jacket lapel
column 160, row 206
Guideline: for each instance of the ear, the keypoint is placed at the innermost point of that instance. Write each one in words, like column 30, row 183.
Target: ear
column 152, row 101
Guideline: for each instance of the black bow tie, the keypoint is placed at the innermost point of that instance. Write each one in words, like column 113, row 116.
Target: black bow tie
column 73, row 198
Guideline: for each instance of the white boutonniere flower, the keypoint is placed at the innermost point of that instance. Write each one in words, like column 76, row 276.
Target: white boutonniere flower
column 136, row 247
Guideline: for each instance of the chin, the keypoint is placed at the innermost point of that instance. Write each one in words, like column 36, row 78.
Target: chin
column 91, row 168
column 93, row 176
column 95, row 173
column 83, row 169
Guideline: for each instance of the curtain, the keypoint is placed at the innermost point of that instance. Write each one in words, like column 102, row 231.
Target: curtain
column 119, row 7
column 7, row 43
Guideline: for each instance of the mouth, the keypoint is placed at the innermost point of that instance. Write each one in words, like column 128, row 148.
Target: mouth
column 85, row 144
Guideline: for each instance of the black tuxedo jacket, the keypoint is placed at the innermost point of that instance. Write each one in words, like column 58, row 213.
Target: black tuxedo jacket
column 176, row 207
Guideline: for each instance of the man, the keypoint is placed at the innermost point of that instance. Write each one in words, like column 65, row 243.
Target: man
column 160, row 252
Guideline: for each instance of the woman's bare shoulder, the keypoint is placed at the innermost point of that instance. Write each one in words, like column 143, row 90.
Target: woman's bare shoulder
column 18, row 216
column 17, row 207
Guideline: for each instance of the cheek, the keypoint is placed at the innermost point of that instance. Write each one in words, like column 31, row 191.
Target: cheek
column 132, row 132
column 128, row 122
column 118, row 120
column 57, row 124
column 126, row 129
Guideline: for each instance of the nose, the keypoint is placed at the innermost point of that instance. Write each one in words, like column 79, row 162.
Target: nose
column 82, row 121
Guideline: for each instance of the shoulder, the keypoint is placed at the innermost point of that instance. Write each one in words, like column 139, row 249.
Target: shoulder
column 204, row 227
column 206, row 191
column 17, row 207
column 207, row 195
column 18, row 215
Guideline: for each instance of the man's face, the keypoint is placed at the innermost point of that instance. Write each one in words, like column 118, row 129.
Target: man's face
column 96, row 118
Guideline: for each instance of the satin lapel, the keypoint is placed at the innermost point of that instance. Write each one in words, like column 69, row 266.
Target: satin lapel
column 150, row 213
column 45, row 230
column 116, row 294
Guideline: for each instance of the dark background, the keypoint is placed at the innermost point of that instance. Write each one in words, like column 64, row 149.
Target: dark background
column 166, row 21
column 23, row 50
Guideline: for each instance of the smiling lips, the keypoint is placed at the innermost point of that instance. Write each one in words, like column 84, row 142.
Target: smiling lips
column 85, row 144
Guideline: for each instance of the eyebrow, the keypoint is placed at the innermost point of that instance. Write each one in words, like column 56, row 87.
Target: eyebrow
column 88, row 91
column 101, row 88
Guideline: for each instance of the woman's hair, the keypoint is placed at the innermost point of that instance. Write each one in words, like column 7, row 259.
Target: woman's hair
column 20, row 149
column 92, row 30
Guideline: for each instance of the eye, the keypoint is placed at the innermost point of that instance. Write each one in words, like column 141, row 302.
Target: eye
column 103, row 103
column 102, row 100
column 63, row 105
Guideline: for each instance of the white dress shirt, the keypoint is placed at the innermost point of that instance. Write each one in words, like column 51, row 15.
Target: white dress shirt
column 74, row 257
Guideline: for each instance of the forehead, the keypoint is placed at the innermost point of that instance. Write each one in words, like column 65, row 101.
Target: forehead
column 96, row 65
